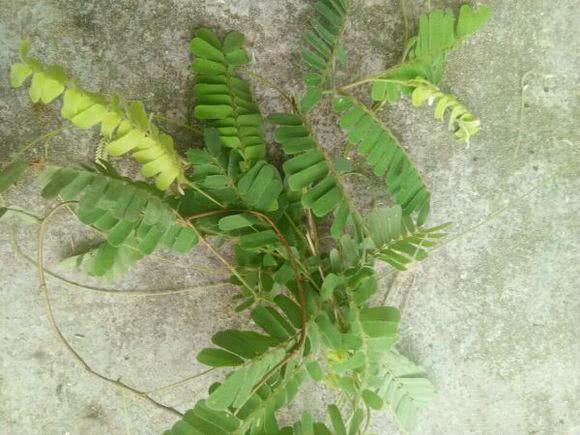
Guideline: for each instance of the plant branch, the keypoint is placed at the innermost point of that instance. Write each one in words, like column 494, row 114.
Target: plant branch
column 181, row 382
column 293, row 262
column 192, row 129
column 270, row 84
column 54, row 326
column 301, row 296
column 116, row 292
column 494, row 215
column 41, row 138
column 220, row 257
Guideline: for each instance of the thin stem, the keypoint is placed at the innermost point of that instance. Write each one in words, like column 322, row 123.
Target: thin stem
column 207, row 195
column 347, row 149
column 139, row 293
column 221, row 258
column 301, row 298
column 511, row 204
column 60, row 336
column 373, row 79
column 23, row 212
column 390, row 286
column 298, row 232
column 293, row 262
column 362, row 81
column 301, row 295
column 523, row 88
column 181, row 382
column 368, row 419
column 271, row 85
column 356, row 217
column 195, row 130
column 41, row 138
column 312, row 234
column 405, row 22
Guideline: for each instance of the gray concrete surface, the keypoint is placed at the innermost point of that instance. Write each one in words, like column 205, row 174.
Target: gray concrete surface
column 493, row 315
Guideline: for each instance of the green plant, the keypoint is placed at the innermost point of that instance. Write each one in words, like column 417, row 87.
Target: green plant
column 311, row 303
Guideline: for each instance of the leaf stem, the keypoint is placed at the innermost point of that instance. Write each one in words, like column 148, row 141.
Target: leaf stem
column 41, row 138
column 23, row 212
column 192, row 129
column 269, row 83
column 181, row 382
column 221, row 258
column 357, row 219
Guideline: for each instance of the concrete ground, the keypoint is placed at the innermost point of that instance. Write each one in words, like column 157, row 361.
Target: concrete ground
column 493, row 315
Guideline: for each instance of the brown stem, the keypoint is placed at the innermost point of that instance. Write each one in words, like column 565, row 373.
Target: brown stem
column 293, row 263
column 44, row 289
column 301, row 296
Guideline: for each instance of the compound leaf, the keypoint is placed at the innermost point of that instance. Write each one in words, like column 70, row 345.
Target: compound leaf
column 223, row 99
column 386, row 155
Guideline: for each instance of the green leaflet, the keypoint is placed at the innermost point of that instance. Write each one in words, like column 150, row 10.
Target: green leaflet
column 237, row 388
column 330, row 283
column 259, row 414
column 397, row 240
column 218, row 358
column 385, row 224
column 379, row 321
column 439, row 33
column 471, row 20
column 309, row 171
column 336, row 419
column 314, row 370
column 223, row 99
column 372, row 400
column 404, row 389
column 273, row 323
column 215, row 170
column 323, row 48
column 106, row 260
column 385, row 155
column 261, row 186
column 205, row 420
column 373, row 331
column 11, row 173
column 236, row 345
column 238, row 222
column 258, row 240
column 131, row 215
column 126, row 130
column 461, row 121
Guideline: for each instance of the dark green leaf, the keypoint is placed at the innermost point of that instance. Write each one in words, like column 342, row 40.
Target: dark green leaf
column 336, row 419
column 315, row 370
column 356, row 422
column 11, row 174
column 218, row 358
column 372, row 400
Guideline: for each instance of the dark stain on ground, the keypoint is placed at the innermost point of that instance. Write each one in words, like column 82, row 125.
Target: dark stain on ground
column 40, row 355
column 94, row 412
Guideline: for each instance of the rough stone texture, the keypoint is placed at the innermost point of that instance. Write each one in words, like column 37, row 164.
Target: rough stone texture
column 493, row 315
